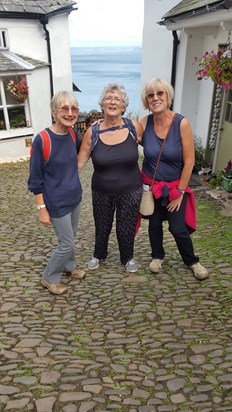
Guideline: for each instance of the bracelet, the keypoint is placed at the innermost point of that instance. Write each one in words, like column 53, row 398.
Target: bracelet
column 40, row 207
column 181, row 191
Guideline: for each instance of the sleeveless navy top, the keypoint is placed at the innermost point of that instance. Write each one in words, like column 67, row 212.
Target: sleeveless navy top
column 171, row 161
column 116, row 167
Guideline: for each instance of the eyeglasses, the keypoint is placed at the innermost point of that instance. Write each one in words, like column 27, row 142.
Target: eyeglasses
column 150, row 96
column 66, row 109
column 109, row 99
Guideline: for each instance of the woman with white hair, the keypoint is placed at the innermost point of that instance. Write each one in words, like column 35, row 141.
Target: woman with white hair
column 168, row 162
column 116, row 182
column 55, row 182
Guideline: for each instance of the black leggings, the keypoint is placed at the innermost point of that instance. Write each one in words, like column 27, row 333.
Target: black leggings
column 177, row 228
column 127, row 208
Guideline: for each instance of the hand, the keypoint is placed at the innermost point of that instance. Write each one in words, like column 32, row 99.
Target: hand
column 44, row 217
column 175, row 204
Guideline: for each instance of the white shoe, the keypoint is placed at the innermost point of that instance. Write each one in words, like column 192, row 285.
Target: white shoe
column 93, row 263
column 199, row 271
column 132, row 266
column 156, row 265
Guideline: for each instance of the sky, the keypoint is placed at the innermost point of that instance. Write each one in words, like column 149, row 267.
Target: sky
column 106, row 23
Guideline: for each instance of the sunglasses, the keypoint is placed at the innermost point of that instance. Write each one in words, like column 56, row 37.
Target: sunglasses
column 150, row 96
column 66, row 109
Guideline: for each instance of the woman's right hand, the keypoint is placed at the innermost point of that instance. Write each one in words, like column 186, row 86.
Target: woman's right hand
column 44, row 217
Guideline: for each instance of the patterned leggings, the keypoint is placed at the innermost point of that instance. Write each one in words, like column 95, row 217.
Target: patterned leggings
column 127, row 208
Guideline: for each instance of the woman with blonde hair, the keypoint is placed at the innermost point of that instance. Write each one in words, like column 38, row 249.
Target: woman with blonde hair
column 169, row 159
column 55, row 182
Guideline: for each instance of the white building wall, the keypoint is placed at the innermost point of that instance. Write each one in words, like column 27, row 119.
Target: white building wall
column 157, row 43
column 39, row 99
column 60, row 46
column 26, row 37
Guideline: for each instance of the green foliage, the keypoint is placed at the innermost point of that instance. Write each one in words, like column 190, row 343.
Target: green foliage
column 216, row 180
column 200, row 158
column 18, row 121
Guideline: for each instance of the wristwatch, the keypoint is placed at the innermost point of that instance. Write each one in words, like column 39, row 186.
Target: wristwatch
column 40, row 207
column 181, row 191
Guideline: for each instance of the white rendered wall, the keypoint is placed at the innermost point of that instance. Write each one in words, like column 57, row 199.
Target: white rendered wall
column 157, row 43
column 61, row 58
column 27, row 38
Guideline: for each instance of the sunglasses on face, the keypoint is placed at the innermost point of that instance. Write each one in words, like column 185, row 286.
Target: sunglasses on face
column 151, row 96
column 67, row 109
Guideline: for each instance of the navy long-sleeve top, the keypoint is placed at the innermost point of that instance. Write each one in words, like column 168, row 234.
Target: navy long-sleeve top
column 57, row 179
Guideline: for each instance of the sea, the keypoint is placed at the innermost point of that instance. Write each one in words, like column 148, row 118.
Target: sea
column 95, row 67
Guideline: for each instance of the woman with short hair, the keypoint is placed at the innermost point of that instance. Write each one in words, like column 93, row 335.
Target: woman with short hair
column 112, row 144
column 174, row 201
column 55, row 182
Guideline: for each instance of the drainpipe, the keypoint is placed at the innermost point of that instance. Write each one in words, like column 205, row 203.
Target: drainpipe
column 176, row 42
column 44, row 21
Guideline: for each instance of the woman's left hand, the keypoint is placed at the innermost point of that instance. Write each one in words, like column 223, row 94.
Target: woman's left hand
column 175, row 204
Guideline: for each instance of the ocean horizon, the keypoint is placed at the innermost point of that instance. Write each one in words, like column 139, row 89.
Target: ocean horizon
column 95, row 67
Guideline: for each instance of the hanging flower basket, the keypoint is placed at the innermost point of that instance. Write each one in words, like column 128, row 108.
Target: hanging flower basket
column 18, row 89
column 217, row 66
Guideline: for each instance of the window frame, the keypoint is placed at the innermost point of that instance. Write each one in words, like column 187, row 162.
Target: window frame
column 9, row 132
column 4, row 40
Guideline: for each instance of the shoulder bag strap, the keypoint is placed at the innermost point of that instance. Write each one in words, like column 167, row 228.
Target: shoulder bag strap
column 161, row 149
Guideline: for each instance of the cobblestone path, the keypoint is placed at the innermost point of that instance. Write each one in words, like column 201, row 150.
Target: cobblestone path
column 113, row 342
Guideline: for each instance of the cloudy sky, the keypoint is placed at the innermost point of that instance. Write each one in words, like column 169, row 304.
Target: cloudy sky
column 106, row 22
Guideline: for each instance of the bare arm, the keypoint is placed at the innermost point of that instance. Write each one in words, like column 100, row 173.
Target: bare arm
column 188, row 158
column 139, row 130
column 85, row 150
column 44, row 216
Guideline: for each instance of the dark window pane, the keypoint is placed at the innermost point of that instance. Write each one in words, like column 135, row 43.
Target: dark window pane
column 2, row 120
column 17, row 117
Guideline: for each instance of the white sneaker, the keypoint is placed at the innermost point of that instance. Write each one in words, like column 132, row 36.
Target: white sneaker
column 132, row 266
column 156, row 265
column 93, row 263
column 199, row 271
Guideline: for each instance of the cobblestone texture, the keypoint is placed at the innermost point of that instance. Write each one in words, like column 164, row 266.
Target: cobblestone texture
column 113, row 342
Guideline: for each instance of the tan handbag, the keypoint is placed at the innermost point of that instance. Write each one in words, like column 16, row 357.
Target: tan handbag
column 147, row 204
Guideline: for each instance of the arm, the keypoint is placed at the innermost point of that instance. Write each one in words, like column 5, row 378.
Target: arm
column 188, row 159
column 36, row 179
column 139, row 130
column 85, row 150
column 143, row 123
column 44, row 216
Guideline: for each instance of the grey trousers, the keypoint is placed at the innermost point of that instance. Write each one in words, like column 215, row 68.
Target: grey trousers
column 63, row 257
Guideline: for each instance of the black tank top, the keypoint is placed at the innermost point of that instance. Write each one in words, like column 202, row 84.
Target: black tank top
column 116, row 167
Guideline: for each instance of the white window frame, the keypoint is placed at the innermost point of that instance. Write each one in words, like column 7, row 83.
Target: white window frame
column 18, row 131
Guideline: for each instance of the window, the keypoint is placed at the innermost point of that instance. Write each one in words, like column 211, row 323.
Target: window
column 4, row 44
column 13, row 93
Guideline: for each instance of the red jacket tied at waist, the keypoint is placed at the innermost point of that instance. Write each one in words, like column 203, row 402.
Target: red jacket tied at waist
column 171, row 189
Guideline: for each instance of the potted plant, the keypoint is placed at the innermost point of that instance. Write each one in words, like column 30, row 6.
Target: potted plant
column 217, row 66
column 18, row 89
column 227, row 177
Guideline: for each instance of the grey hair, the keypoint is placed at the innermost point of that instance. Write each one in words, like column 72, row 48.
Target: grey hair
column 155, row 85
column 60, row 97
column 111, row 88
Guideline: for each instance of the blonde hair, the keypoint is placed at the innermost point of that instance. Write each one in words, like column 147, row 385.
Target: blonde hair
column 60, row 97
column 154, row 85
